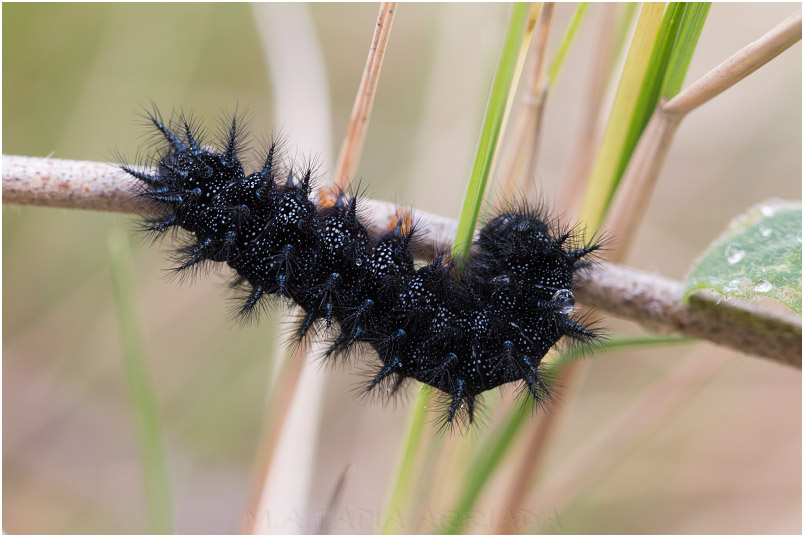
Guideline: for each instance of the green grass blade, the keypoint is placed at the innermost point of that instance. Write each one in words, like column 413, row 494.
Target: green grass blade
column 482, row 469
column 566, row 42
column 625, row 14
column 157, row 489
column 651, row 85
column 672, row 53
column 604, row 177
column 491, row 454
column 692, row 22
column 673, row 45
column 491, row 130
column 498, row 104
column 405, row 472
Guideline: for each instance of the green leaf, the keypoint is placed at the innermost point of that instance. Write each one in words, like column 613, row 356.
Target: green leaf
column 759, row 255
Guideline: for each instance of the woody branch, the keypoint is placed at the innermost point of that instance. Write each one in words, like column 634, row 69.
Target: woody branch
column 647, row 299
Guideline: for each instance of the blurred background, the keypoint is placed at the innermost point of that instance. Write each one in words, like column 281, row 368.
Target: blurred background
column 726, row 458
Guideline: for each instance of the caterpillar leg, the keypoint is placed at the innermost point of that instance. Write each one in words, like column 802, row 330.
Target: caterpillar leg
column 158, row 225
column 327, row 297
column 353, row 327
column 357, row 333
column 585, row 334
column 343, row 344
column 166, row 195
column 443, row 368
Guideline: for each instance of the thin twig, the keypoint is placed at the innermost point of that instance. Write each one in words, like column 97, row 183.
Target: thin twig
column 71, row 184
column 655, row 303
column 737, row 67
column 643, row 170
column 645, row 298
column 364, row 101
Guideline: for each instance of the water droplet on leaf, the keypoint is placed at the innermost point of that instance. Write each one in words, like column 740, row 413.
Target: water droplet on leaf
column 734, row 254
column 763, row 287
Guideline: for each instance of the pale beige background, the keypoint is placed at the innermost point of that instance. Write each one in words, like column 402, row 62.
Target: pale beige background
column 725, row 460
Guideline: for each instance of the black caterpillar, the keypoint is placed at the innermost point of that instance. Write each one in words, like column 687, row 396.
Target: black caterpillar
column 463, row 332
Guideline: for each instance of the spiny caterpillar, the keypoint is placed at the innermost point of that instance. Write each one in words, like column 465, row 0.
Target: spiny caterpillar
column 462, row 332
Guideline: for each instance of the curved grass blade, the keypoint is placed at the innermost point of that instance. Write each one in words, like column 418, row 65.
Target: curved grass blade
column 569, row 36
column 492, row 452
column 681, row 26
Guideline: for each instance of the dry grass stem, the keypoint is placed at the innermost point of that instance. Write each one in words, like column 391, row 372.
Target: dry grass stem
column 635, row 190
column 348, row 159
column 602, row 451
column 642, row 173
column 525, row 134
column 541, row 434
column 575, row 185
column 645, row 298
column 272, row 425
column 352, row 146
column 627, row 209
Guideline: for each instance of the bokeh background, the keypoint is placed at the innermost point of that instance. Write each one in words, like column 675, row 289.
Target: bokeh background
column 726, row 458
